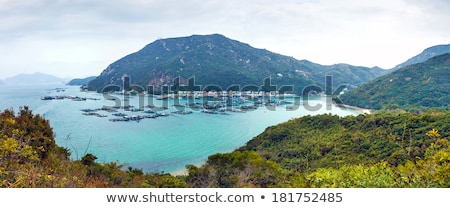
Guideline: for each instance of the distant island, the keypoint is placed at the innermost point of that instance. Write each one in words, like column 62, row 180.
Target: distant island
column 37, row 78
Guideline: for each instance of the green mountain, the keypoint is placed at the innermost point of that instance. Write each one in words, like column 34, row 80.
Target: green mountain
column 425, row 55
column 217, row 60
column 378, row 150
column 81, row 81
column 417, row 86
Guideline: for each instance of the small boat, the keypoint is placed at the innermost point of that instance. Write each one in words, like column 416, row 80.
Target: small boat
column 78, row 99
column 47, row 98
column 89, row 110
column 151, row 116
column 94, row 114
column 182, row 112
column 149, row 111
column 209, row 111
column 120, row 119
column 162, row 114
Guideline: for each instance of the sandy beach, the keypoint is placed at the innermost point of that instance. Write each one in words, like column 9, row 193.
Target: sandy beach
column 361, row 110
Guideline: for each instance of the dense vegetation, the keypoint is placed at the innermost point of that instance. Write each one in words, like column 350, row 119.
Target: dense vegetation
column 385, row 150
column 381, row 150
column 29, row 157
column 217, row 60
column 413, row 88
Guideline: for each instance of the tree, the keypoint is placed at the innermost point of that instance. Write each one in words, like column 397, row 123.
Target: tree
column 88, row 159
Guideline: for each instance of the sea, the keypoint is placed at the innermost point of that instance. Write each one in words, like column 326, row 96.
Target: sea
column 165, row 144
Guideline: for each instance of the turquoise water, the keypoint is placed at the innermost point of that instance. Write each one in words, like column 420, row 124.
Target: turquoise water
column 163, row 144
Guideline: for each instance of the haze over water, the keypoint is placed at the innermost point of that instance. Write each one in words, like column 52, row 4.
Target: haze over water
column 163, row 144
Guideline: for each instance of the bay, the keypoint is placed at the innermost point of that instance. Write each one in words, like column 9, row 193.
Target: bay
column 163, row 144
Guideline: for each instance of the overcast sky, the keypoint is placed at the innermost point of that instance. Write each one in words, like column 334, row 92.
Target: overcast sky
column 78, row 38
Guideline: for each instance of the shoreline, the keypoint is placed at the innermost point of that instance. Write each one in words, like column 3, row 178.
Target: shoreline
column 361, row 110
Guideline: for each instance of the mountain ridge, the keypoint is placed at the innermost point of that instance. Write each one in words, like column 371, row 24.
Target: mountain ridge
column 218, row 60
column 414, row 87
column 425, row 55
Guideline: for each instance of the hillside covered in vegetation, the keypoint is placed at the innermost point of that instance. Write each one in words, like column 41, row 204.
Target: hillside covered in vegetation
column 220, row 61
column 29, row 157
column 415, row 88
column 382, row 150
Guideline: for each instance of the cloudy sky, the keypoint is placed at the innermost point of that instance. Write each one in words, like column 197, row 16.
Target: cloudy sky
column 77, row 38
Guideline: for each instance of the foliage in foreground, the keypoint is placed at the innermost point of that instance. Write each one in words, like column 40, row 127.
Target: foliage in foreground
column 29, row 157
column 382, row 150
